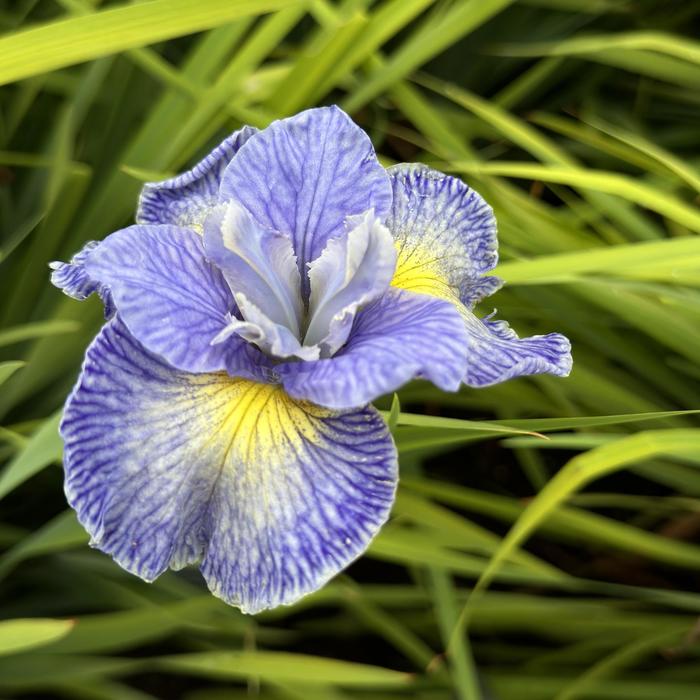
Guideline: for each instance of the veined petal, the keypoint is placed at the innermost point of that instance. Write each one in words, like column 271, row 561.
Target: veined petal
column 165, row 468
column 304, row 175
column 446, row 238
column 73, row 279
column 397, row 338
column 445, row 235
column 352, row 271
column 496, row 353
column 173, row 300
column 187, row 199
column 256, row 262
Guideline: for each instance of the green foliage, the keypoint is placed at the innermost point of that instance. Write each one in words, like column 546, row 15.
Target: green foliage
column 543, row 545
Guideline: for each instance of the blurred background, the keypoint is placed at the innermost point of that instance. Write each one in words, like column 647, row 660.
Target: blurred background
column 514, row 567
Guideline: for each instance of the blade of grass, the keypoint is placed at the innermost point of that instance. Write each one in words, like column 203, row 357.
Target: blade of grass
column 460, row 659
column 430, row 39
column 43, row 448
column 74, row 40
column 21, row 635
column 576, row 473
column 601, row 181
column 268, row 665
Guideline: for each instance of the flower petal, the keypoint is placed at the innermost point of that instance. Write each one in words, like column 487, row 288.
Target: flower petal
column 446, row 238
column 496, row 353
column 274, row 338
column 352, row 271
column 73, row 279
column 256, row 262
column 185, row 200
column 165, row 467
column 397, row 338
column 445, row 234
column 304, row 175
column 172, row 300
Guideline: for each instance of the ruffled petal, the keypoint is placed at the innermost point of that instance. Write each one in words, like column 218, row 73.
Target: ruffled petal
column 496, row 353
column 304, row 175
column 352, row 271
column 165, row 468
column 186, row 200
column 256, row 262
column 445, row 234
column 274, row 338
column 173, row 300
column 397, row 338
column 446, row 239
column 73, row 279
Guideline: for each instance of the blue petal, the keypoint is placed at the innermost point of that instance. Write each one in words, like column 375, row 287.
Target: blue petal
column 445, row 234
column 397, row 338
column 304, row 175
column 497, row 354
column 73, row 279
column 256, row 262
column 173, row 300
column 186, row 200
column 165, row 468
column 352, row 271
column 274, row 338
column 473, row 291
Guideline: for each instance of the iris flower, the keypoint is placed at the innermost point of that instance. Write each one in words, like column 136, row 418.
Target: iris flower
column 260, row 303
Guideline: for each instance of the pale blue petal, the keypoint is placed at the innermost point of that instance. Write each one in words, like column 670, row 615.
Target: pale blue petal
column 256, row 262
column 352, row 271
column 312, row 488
column 73, row 279
column 497, row 354
column 273, row 338
column 173, row 300
column 304, row 175
column 444, row 231
column 397, row 338
column 166, row 468
column 187, row 199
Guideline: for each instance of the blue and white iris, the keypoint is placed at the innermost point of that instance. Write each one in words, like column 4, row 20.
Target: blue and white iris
column 260, row 303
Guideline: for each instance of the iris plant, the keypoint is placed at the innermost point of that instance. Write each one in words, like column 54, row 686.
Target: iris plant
column 261, row 302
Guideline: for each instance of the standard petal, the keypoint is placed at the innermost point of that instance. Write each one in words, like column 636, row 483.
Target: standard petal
column 273, row 338
column 173, row 300
column 256, row 262
column 397, row 338
column 165, row 468
column 352, row 271
column 304, row 175
column 186, row 200
column 496, row 353
column 73, row 279
column 445, row 235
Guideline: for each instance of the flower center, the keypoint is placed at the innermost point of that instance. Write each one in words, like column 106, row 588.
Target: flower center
column 261, row 269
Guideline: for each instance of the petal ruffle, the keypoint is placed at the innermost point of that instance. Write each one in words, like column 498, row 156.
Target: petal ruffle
column 165, row 468
column 185, row 200
column 256, row 262
column 496, row 353
column 352, row 271
column 73, row 279
column 274, row 338
column 445, row 234
column 304, row 175
column 446, row 239
column 397, row 338
column 172, row 300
